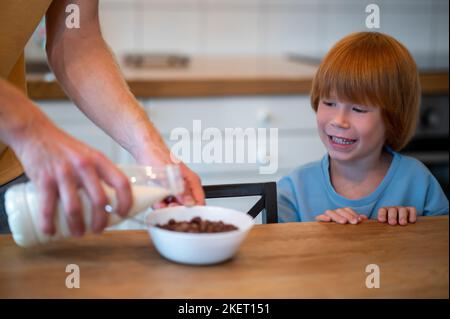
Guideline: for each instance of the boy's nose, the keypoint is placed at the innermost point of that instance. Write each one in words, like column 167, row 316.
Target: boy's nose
column 341, row 121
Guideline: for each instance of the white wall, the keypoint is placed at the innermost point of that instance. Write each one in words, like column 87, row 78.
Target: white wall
column 268, row 26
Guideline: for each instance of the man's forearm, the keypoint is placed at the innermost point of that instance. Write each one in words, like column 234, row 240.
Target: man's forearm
column 18, row 115
column 90, row 76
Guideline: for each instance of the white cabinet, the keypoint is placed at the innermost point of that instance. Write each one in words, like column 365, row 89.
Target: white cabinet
column 69, row 118
column 297, row 138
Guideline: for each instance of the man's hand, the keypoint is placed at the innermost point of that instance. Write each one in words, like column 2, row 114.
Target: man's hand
column 156, row 153
column 342, row 216
column 193, row 190
column 59, row 165
column 397, row 215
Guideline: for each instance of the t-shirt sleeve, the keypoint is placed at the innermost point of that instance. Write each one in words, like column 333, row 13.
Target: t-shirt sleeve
column 287, row 203
column 436, row 201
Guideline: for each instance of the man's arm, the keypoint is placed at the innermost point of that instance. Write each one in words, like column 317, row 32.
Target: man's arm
column 86, row 69
column 88, row 72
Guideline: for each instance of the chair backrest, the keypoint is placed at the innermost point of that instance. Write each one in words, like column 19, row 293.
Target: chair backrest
column 267, row 204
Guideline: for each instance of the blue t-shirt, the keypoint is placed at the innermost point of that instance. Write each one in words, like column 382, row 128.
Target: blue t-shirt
column 308, row 192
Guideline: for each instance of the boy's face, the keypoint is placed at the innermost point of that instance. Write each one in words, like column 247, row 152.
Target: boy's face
column 349, row 131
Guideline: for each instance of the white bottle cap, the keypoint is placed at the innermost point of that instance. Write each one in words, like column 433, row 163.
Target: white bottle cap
column 19, row 216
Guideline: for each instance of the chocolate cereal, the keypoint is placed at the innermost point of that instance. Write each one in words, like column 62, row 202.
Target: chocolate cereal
column 197, row 225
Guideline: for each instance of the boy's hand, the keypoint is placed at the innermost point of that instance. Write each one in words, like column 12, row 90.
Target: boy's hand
column 397, row 214
column 342, row 216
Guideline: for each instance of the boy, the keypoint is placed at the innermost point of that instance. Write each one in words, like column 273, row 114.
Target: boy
column 366, row 96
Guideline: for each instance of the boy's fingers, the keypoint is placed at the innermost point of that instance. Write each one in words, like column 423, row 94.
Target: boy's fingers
column 323, row 218
column 392, row 216
column 382, row 215
column 349, row 217
column 353, row 216
column 335, row 216
column 402, row 216
column 412, row 214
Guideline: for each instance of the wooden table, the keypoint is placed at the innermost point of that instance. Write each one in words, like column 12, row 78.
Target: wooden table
column 293, row 260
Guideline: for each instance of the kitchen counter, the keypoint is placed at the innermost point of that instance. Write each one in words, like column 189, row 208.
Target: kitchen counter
column 292, row 260
column 219, row 76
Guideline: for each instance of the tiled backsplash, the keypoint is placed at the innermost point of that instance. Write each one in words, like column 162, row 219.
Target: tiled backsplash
column 269, row 27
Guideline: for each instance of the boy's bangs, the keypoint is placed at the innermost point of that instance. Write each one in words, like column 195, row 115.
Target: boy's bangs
column 351, row 83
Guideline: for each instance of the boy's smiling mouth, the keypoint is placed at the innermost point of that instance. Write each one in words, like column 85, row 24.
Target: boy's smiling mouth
column 341, row 140
column 341, row 143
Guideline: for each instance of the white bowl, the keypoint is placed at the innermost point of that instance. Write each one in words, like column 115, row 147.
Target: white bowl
column 198, row 248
